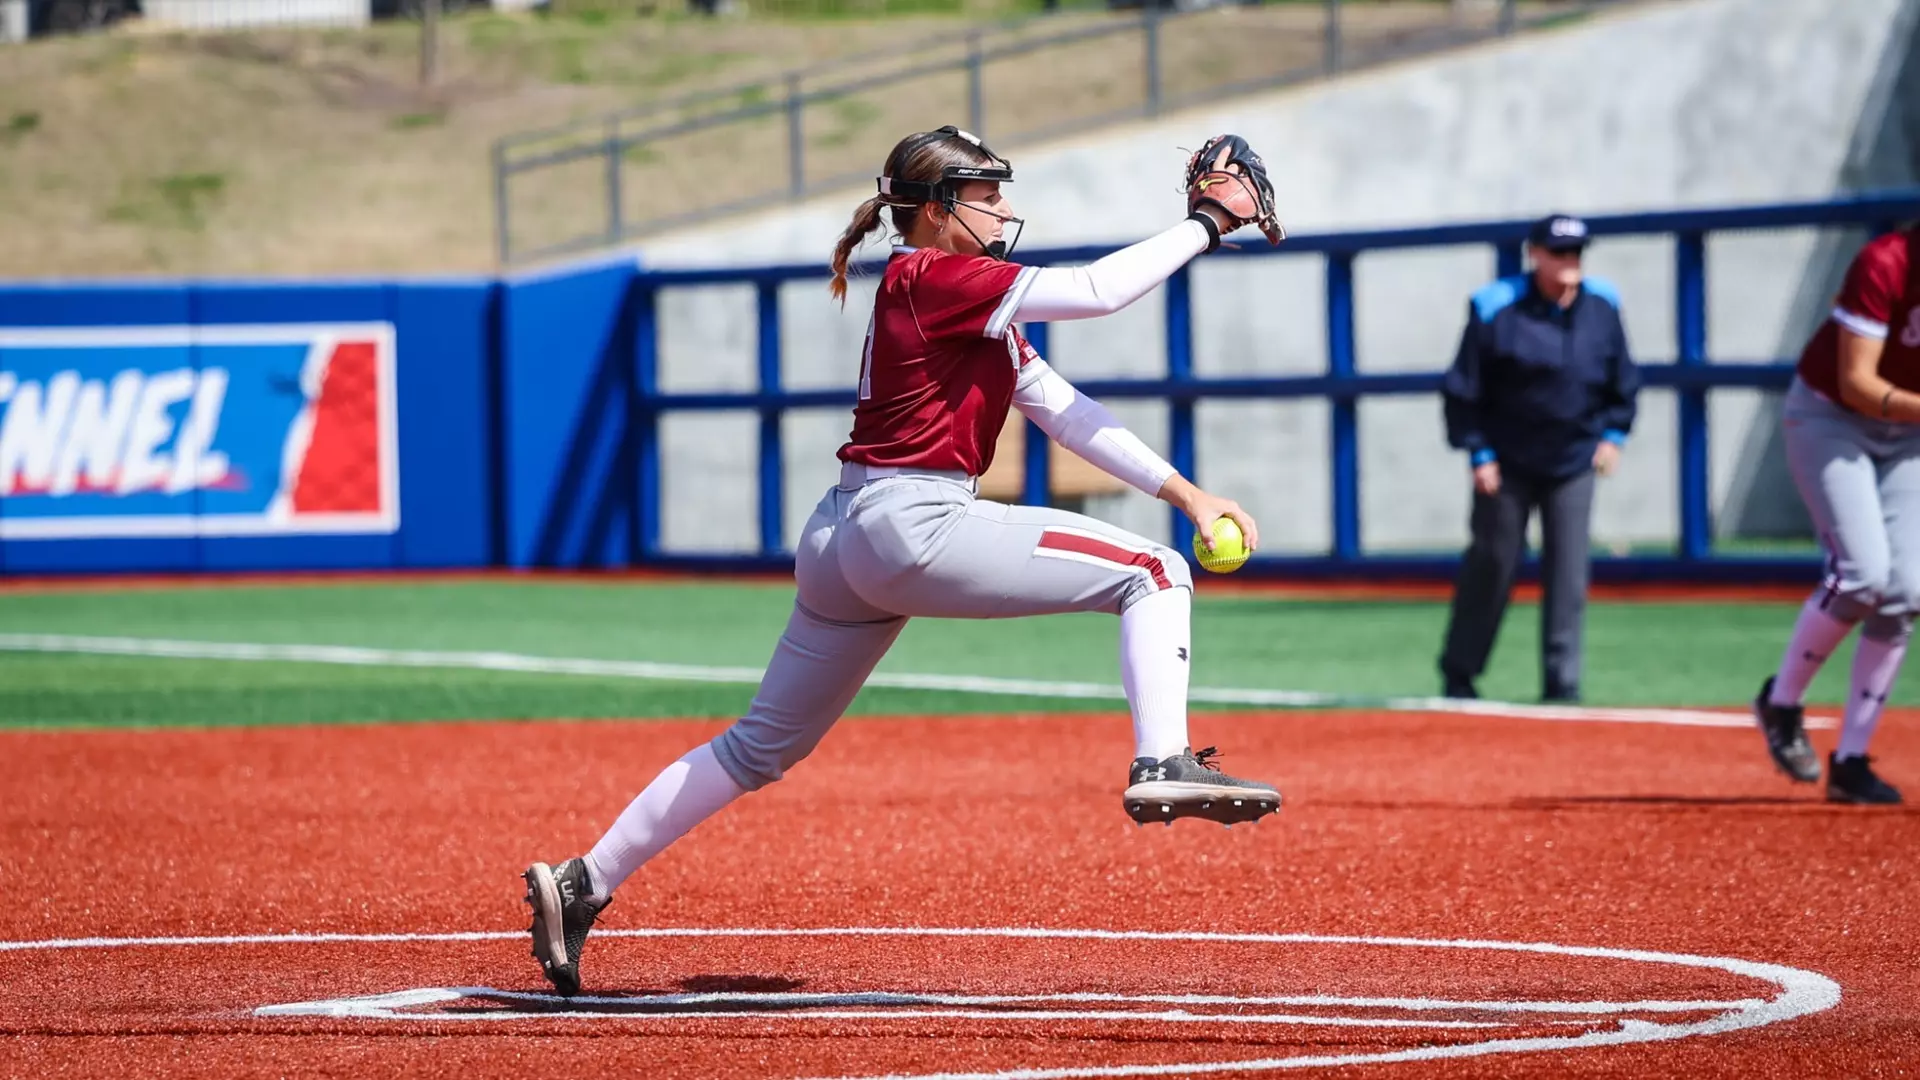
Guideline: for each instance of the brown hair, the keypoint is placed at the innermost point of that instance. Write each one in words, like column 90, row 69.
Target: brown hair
column 927, row 162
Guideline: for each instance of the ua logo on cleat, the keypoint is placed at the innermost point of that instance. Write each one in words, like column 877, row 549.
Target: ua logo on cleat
column 1158, row 772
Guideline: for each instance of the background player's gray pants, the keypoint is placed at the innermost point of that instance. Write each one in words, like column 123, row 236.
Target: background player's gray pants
column 1480, row 592
column 873, row 556
column 1860, row 479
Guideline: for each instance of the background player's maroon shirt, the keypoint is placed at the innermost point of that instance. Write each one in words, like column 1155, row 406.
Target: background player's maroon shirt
column 1881, row 299
column 942, row 362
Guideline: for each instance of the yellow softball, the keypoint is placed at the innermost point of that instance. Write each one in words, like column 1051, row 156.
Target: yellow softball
column 1229, row 548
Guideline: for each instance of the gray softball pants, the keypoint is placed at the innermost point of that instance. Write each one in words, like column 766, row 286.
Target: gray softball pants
column 880, row 549
column 1860, row 480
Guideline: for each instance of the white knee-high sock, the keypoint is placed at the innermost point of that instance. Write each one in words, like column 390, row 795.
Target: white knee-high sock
column 1815, row 635
column 686, row 793
column 1876, row 662
column 1155, row 644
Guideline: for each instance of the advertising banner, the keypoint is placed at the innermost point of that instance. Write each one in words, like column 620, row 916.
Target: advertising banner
column 211, row 430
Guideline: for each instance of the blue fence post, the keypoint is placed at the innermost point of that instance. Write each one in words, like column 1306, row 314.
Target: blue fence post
column 772, row 470
column 1345, row 418
column 1690, row 321
column 1180, row 406
column 646, row 415
column 1037, row 482
column 1506, row 258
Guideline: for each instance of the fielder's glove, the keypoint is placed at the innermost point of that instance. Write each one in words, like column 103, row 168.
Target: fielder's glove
column 1227, row 174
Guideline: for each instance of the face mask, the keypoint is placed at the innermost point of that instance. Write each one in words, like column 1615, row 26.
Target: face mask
column 999, row 249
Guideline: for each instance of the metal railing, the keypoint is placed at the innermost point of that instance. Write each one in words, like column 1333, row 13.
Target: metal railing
column 1691, row 375
column 608, row 148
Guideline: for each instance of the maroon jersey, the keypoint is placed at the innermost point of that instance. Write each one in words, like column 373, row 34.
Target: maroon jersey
column 942, row 361
column 1880, row 299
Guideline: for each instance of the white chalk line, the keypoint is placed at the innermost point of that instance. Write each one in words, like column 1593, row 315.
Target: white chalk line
column 405, row 998
column 365, row 1009
column 358, row 656
column 864, row 1006
column 1802, row 992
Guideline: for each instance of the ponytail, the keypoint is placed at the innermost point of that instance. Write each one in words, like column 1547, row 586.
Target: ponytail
column 865, row 220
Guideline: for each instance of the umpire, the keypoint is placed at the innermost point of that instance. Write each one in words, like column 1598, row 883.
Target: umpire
column 1541, row 397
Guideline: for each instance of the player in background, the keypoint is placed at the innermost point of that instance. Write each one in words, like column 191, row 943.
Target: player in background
column 1852, row 429
column 903, row 536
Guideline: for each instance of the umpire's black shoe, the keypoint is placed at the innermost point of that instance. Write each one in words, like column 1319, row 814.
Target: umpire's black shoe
column 563, row 912
column 1456, row 686
column 1786, row 730
column 1851, row 780
column 1191, row 785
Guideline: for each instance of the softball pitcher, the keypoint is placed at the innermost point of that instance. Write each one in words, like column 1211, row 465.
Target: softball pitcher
column 903, row 534
column 1852, row 428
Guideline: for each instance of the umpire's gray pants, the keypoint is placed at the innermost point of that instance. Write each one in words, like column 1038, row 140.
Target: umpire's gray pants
column 1860, row 480
column 1492, row 560
column 879, row 551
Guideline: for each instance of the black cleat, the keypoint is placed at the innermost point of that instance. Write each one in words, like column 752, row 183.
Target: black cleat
column 563, row 912
column 1786, row 731
column 1851, row 780
column 1452, row 686
column 1191, row 785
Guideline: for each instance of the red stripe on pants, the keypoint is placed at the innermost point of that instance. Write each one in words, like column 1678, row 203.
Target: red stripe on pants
column 1113, row 553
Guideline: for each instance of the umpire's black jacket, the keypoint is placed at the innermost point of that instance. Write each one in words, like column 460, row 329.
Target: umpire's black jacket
column 1536, row 387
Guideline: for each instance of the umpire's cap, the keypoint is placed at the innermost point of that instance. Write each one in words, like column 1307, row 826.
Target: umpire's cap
column 1559, row 233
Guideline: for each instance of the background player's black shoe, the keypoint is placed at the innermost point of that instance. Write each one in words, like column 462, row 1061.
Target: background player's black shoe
column 1851, row 780
column 1191, row 785
column 563, row 912
column 1785, row 727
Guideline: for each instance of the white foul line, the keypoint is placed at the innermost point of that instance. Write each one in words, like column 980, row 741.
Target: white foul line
column 358, row 656
column 1802, row 992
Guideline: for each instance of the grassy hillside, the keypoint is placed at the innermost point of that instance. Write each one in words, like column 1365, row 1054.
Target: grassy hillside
column 296, row 152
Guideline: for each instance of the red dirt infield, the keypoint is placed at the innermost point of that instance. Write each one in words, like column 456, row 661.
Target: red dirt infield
column 1586, row 840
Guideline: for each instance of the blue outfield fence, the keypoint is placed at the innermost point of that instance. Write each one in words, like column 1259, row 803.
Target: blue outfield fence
column 517, row 422
column 1691, row 375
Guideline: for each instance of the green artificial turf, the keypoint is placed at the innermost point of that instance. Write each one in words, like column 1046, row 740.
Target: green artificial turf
column 1637, row 653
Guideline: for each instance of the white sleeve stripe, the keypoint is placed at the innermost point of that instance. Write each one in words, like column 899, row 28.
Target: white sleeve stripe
column 1865, row 327
column 1010, row 303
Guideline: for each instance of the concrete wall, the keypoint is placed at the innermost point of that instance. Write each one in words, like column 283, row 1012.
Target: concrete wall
column 1670, row 104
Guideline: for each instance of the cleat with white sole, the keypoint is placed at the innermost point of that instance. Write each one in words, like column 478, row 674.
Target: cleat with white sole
column 1190, row 785
column 563, row 913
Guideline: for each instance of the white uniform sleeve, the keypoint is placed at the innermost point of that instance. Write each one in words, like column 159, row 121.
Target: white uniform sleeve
column 1105, row 286
column 1085, row 427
